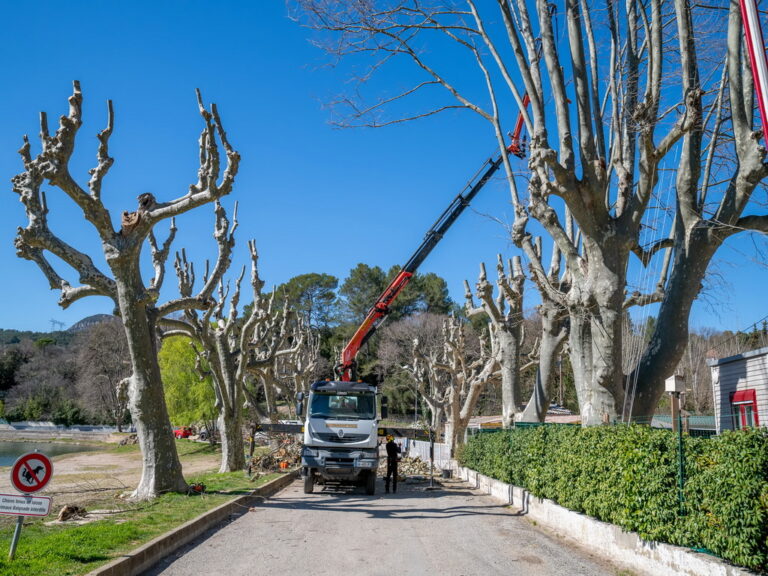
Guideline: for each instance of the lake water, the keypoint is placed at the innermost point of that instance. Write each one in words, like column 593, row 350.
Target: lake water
column 10, row 451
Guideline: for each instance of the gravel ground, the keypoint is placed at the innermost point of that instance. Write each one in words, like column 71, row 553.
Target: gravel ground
column 450, row 531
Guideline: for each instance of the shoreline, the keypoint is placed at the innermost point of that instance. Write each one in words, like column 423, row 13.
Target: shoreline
column 61, row 436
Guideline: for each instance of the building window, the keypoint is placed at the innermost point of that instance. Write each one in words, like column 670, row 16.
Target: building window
column 744, row 409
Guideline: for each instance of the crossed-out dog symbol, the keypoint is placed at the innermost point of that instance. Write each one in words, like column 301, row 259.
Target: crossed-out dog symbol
column 30, row 477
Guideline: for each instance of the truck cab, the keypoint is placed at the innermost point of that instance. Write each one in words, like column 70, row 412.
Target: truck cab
column 340, row 434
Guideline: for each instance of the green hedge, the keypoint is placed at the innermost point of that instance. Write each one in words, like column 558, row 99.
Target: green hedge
column 628, row 476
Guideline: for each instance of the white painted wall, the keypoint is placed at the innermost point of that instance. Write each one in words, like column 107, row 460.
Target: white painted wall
column 742, row 372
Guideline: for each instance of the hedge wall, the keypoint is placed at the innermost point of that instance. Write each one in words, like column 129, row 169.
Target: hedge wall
column 628, row 476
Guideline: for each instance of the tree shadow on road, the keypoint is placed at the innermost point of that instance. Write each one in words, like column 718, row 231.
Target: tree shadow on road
column 409, row 502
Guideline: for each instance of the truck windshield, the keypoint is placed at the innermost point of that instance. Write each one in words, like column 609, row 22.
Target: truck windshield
column 348, row 406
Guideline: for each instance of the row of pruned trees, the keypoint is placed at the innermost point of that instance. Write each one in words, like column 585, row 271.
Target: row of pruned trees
column 451, row 362
column 231, row 350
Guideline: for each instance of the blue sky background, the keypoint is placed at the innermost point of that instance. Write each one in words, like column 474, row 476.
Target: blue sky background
column 315, row 198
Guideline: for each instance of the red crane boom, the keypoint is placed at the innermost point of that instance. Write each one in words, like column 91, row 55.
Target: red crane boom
column 346, row 369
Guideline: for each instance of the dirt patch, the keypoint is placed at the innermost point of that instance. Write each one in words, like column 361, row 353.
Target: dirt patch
column 93, row 478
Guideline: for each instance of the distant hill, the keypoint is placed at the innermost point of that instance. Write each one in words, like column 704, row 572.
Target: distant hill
column 62, row 337
column 90, row 321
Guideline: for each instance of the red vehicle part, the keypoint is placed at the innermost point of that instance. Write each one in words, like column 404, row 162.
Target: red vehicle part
column 346, row 369
column 753, row 34
column 516, row 146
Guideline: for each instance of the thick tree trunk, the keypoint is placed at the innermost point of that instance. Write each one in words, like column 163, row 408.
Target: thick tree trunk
column 232, row 445
column 451, row 430
column 596, row 333
column 436, row 413
column 454, row 433
column 230, row 394
column 509, row 358
column 670, row 336
column 161, row 468
column 552, row 337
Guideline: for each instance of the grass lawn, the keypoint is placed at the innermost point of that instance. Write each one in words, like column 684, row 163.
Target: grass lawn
column 71, row 549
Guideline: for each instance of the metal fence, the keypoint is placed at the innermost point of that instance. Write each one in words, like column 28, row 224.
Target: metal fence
column 420, row 449
column 699, row 426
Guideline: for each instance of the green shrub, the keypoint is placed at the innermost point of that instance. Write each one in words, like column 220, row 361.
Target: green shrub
column 628, row 476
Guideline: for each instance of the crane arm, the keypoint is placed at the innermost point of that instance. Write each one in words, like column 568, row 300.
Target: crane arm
column 379, row 311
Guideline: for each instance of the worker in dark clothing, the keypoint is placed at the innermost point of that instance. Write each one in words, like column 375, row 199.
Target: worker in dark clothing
column 393, row 455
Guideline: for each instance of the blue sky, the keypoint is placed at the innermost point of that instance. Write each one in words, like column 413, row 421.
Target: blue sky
column 315, row 198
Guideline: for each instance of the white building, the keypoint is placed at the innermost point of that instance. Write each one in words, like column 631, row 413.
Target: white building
column 740, row 390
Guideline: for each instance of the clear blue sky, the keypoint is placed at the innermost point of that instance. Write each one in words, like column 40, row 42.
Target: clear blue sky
column 315, row 198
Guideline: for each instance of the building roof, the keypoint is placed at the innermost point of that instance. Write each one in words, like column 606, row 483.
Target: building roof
column 737, row 357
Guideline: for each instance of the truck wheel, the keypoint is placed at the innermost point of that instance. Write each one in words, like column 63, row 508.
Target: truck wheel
column 309, row 483
column 370, row 484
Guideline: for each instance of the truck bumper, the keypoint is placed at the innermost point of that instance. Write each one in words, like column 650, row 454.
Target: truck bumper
column 337, row 463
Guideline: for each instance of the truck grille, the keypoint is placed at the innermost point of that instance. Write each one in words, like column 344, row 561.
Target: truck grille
column 346, row 439
column 339, row 461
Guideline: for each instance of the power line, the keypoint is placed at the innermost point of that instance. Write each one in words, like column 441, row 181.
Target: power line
column 740, row 332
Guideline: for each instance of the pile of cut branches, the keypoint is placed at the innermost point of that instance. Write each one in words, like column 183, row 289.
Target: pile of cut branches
column 284, row 454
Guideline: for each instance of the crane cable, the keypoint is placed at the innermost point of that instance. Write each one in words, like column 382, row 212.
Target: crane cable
column 661, row 221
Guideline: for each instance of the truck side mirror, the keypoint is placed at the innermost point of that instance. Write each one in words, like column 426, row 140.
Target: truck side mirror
column 299, row 403
column 384, row 408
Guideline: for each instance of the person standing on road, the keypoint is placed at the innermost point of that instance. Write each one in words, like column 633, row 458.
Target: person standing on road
column 393, row 455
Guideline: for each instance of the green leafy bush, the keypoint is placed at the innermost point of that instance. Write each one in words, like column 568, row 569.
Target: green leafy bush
column 628, row 476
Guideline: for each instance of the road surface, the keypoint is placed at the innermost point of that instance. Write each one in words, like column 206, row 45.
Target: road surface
column 450, row 531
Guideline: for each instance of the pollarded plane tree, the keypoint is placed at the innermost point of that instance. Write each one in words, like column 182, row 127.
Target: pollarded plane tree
column 298, row 366
column 220, row 336
column 452, row 376
column 411, row 345
column 274, row 340
column 505, row 314
column 395, row 352
column 135, row 302
column 231, row 348
column 553, row 316
column 657, row 124
column 505, row 322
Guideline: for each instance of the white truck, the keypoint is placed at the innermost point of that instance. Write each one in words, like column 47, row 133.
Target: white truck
column 340, row 434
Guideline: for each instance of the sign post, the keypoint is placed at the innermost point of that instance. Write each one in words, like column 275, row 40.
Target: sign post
column 30, row 473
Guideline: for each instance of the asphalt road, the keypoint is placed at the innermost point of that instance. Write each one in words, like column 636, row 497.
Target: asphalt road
column 450, row 531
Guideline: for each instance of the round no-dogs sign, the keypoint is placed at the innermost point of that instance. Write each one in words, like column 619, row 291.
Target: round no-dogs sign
column 31, row 472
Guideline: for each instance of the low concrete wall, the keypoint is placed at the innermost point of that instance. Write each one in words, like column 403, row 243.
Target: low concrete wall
column 136, row 561
column 611, row 542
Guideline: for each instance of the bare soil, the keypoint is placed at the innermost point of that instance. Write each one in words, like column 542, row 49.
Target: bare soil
column 95, row 478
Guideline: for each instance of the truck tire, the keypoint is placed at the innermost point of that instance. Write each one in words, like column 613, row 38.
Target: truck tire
column 370, row 484
column 309, row 483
